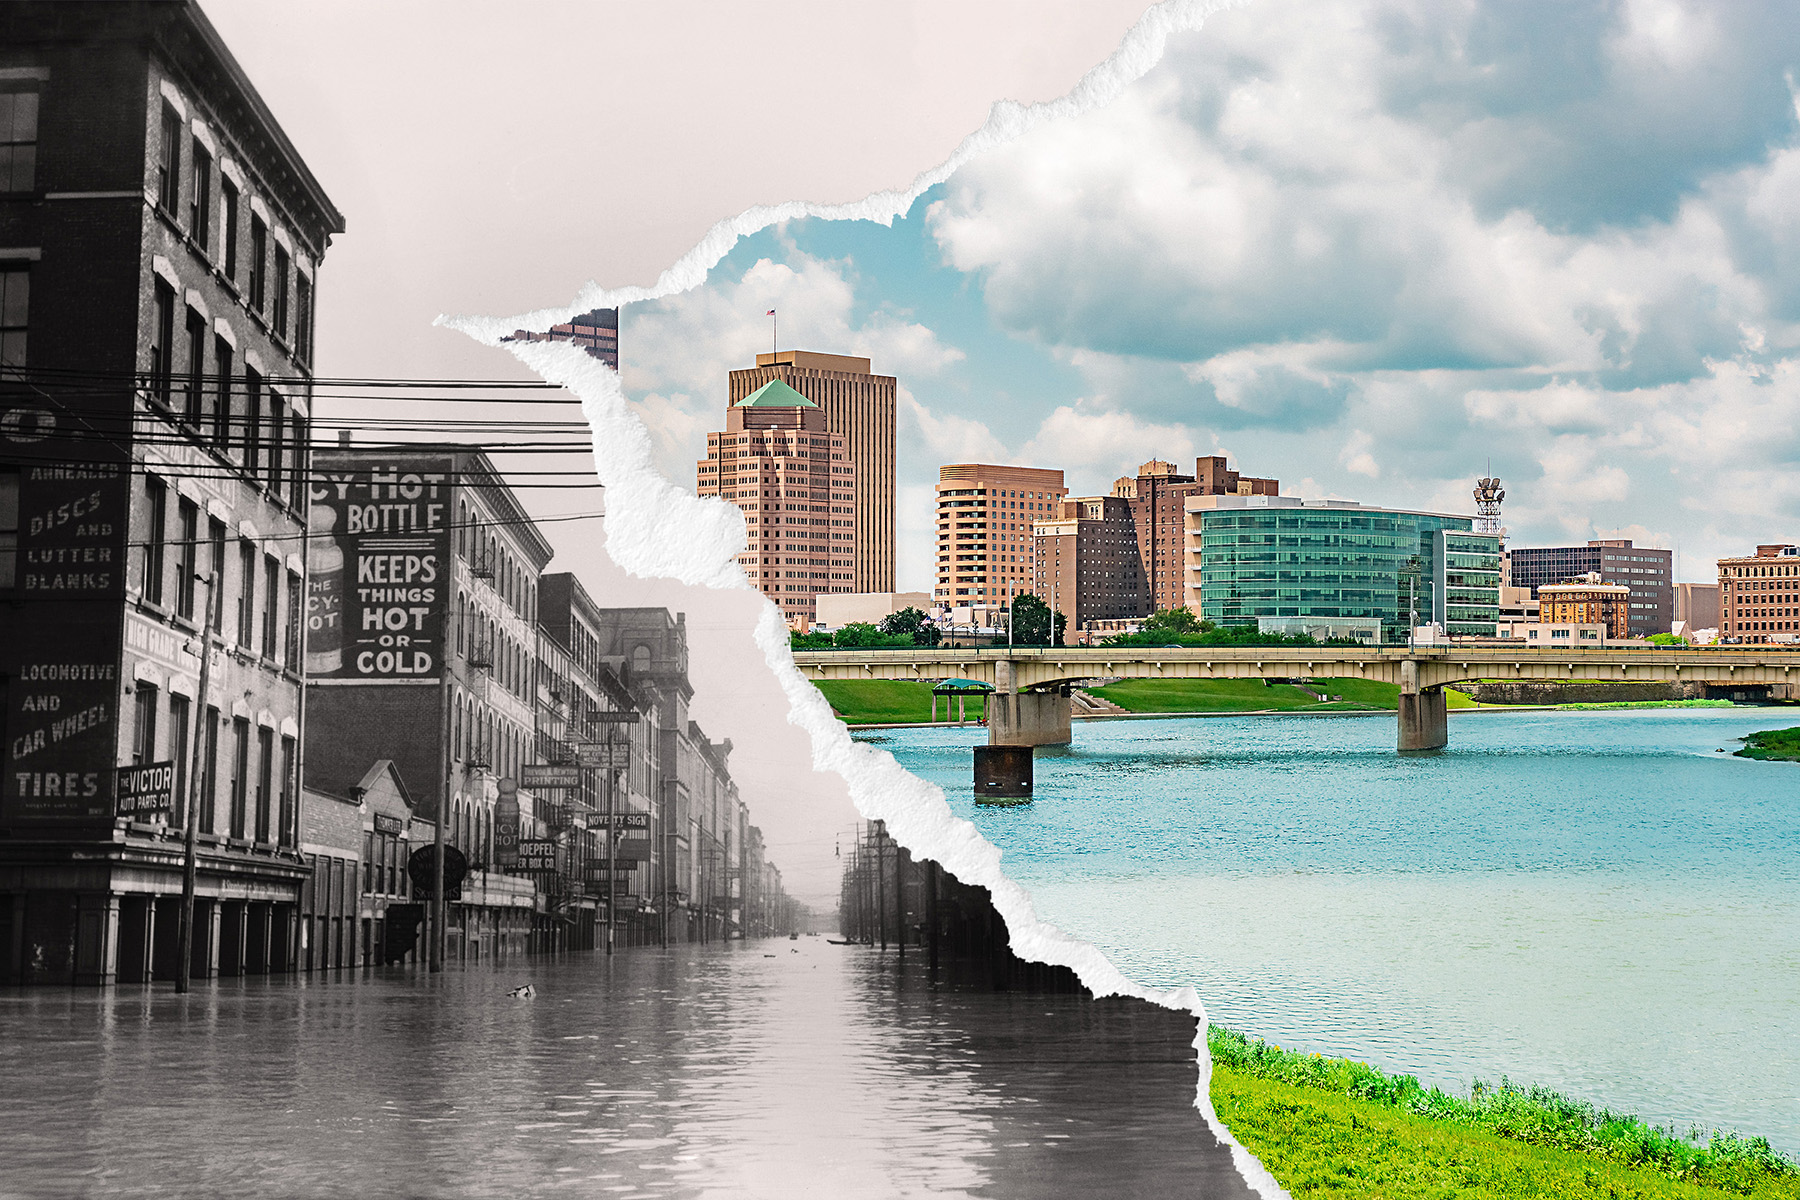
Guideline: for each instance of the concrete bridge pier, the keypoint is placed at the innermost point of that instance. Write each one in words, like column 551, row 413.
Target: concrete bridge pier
column 1018, row 718
column 1424, row 715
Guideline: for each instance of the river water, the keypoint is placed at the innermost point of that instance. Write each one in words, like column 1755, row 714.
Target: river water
column 1598, row 901
column 776, row 1068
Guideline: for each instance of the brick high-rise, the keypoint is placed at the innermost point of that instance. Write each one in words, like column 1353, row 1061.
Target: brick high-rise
column 1158, row 496
column 1759, row 595
column 984, row 519
column 859, row 407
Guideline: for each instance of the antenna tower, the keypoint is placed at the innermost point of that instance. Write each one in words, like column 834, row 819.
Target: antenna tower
column 1488, row 495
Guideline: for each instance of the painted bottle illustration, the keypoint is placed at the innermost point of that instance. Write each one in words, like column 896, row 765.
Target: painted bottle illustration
column 324, row 594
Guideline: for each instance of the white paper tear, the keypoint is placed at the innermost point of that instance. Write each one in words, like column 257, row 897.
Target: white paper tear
column 655, row 528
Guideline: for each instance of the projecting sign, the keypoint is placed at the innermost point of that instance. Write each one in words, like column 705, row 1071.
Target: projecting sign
column 422, row 865
column 604, row 756
column 377, row 567
column 146, row 789
column 542, row 778
column 506, row 823
column 537, row 854
column 626, row 821
column 607, row 717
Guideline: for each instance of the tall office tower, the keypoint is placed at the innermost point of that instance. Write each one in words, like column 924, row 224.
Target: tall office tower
column 1648, row 573
column 795, row 482
column 984, row 518
column 163, row 239
column 1157, row 495
column 859, row 407
column 597, row 332
column 1087, row 562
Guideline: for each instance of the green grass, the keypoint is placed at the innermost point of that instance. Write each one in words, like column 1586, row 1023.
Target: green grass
column 890, row 702
column 1773, row 745
column 1250, row 695
column 1334, row 1127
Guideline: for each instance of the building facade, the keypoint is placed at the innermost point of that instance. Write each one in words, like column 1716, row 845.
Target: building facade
column 1586, row 601
column 1158, row 497
column 1697, row 605
column 794, row 480
column 1648, row 573
column 597, row 332
column 159, row 245
column 1086, row 563
column 859, row 407
column 1759, row 595
column 1288, row 565
column 984, row 531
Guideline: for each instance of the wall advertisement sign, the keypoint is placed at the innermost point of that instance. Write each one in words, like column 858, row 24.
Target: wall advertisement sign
column 378, row 568
column 145, row 790
column 62, row 723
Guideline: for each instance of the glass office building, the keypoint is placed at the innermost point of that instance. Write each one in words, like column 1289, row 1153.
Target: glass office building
column 1335, row 568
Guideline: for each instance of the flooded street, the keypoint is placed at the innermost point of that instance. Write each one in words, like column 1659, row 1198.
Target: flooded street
column 768, row 1068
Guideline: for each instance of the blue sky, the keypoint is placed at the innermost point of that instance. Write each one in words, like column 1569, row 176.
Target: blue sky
column 1367, row 248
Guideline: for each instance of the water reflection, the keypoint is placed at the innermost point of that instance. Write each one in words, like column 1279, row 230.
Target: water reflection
column 776, row 1068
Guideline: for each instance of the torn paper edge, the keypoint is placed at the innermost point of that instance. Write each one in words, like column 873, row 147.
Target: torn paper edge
column 643, row 507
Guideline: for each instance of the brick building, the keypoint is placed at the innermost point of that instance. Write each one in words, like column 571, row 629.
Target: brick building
column 1759, row 595
column 1586, row 601
column 596, row 332
column 1087, row 564
column 984, row 531
column 1648, row 573
column 159, row 243
column 1158, row 497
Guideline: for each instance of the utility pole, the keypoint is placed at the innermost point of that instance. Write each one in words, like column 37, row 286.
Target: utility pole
column 881, row 882
column 184, row 938
column 440, row 939
column 612, row 843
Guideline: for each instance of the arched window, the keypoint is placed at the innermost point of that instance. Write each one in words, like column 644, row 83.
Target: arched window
column 640, row 658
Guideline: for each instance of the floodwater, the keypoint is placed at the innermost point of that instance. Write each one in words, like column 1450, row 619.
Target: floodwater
column 790, row 1068
column 1598, row 902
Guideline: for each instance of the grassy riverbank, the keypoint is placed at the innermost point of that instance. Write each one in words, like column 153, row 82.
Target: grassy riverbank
column 1252, row 695
column 1773, row 745
column 890, row 702
column 1333, row 1127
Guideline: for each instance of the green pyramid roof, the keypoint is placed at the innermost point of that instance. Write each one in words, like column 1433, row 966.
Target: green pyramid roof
column 775, row 394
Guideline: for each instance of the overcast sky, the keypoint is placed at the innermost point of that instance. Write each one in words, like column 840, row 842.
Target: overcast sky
column 492, row 158
column 1366, row 247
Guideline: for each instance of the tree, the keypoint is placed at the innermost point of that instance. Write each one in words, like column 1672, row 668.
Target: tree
column 1031, row 623
column 913, row 624
column 858, row 634
column 1176, row 621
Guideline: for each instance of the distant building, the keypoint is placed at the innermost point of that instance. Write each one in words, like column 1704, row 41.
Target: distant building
column 1697, row 605
column 1759, row 595
column 1087, row 565
column 1556, row 635
column 1648, row 573
column 1158, row 494
column 597, row 332
column 1587, row 601
column 870, row 608
column 793, row 478
column 1287, row 565
column 859, row 407
column 984, row 541
column 161, row 248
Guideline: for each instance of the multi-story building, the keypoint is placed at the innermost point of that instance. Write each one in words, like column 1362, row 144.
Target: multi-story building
column 1759, row 595
column 797, row 486
column 1586, row 601
column 1158, row 496
column 1697, row 605
column 859, row 407
column 160, row 239
column 1333, row 568
column 984, row 538
column 421, row 648
column 597, row 332
column 356, row 906
column 1648, row 573
column 1086, row 562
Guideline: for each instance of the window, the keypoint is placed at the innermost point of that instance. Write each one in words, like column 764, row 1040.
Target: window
column 168, row 166
column 240, row 776
column 9, row 527
column 187, row 557
column 156, row 515
column 271, row 610
column 288, row 765
column 178, row 751
column 277, row 431
column 215, row 606
column 200, row 201
column 265, row 780
column 209, row 774
column 371, row 869
column 162, row 342
column 221, row 415
column 196, row 363
column 259, row 250
column 252, row 421
column 246, row 593
column 15, row 313
column 297, row 464
column 228, row 212
column 18, row 140
column 143, row 735
column 282, row 270
column 291, row 654
column 303, row 319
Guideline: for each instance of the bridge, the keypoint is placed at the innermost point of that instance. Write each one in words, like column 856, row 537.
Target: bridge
column 1031, row 708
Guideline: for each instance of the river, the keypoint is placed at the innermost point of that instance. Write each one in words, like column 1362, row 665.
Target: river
column 1598, row 902
column 764, row 1069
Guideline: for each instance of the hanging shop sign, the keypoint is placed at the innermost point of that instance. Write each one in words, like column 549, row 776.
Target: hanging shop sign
column 419, row 869
column 604, row 756
column 537, row 854
column 506, row 823
column 540, row 778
